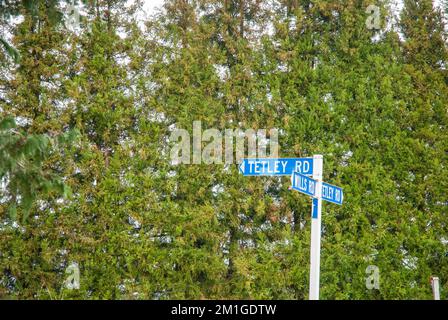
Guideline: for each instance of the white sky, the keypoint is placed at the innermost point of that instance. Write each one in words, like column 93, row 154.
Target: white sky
column 150, row 5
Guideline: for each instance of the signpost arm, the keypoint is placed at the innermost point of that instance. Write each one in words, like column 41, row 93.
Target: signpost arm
column 316, row 221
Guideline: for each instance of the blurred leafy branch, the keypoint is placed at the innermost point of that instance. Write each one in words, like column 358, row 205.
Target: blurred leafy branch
column 22, row 173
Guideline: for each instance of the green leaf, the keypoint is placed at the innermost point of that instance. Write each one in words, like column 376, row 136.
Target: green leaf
column 10, row 50
column 12, row 212
column 7, row 123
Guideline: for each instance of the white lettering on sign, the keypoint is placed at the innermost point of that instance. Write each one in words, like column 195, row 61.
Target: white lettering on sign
column 306, row 166
column 304, row 184
column 312, row 186
column 338, row 195
column 284, row 163
column 324, row 191
column 267, row 166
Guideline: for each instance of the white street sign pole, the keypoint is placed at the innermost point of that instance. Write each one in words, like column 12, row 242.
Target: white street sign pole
column 316, row 229
column 435, row 288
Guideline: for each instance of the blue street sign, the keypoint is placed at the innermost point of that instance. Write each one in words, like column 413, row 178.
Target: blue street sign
column 315, row 210
column 303, row 184
column 276, row 167
column 332, row 193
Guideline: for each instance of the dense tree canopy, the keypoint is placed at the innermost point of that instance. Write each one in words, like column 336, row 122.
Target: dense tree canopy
column 85, row 121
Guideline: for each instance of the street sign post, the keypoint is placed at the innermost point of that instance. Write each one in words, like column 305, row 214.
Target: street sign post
column 276, row 167
column 319, row 190
column 316, row 225
column 300, row 169
column 435, row 288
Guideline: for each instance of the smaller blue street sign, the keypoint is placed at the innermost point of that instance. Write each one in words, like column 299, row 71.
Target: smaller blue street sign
column 303, row 184
column 332, row 193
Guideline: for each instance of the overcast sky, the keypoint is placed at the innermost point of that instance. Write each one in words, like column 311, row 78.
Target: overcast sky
column 150, row 5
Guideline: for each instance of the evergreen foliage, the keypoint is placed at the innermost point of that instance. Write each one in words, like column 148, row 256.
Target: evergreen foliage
column 87, row 177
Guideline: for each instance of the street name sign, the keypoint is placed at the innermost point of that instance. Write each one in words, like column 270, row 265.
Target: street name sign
column 276, row 167
column 308, row 186
column 332, row 193
column 303, row 184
